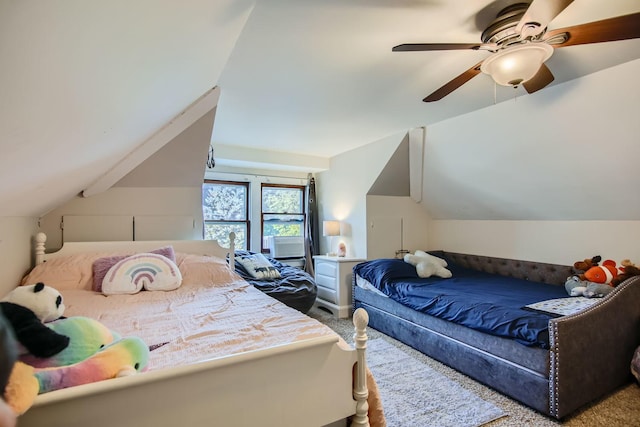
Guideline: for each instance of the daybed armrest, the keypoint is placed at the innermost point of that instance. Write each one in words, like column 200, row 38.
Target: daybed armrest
column 591, row 351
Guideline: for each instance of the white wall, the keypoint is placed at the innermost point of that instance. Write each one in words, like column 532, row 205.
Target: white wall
column 548, row 177
column 342, row 190
column 568, row 152
column 16, row 250
column 127, row 201
column 165, row 201
column 395, row 223
column 557, row 242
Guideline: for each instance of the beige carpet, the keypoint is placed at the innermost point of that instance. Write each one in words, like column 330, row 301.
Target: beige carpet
column 433, row 400
column 621, row 408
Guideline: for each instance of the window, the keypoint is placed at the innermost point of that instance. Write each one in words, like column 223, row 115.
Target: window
column 283, row 212
column 225, row 208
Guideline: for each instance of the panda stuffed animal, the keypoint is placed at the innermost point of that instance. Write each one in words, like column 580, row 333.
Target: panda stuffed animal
column 27, row 308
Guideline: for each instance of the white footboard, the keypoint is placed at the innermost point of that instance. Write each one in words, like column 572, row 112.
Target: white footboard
column 308, row 383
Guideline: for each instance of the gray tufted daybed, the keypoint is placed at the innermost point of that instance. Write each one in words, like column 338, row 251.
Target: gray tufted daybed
column 588, row 353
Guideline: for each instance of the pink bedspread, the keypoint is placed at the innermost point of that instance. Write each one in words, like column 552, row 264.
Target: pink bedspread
column 197, row 321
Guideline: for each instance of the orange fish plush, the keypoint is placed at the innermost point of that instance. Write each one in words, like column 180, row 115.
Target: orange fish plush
column 602, row 273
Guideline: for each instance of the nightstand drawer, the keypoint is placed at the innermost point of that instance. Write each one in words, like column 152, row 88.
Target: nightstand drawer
column 333, row 277
column 329, row 269
column 326, row 281
column 327, row 294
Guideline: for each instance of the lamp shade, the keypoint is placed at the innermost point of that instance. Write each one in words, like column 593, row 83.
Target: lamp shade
column 330, row 228
column 516, row 64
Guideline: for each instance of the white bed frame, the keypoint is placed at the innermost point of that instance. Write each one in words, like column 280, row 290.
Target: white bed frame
column 309, row 383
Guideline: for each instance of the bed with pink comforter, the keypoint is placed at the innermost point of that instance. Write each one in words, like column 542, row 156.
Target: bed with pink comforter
column 214, row 315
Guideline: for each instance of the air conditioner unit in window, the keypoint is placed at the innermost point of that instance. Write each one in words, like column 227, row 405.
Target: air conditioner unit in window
column 285, row 246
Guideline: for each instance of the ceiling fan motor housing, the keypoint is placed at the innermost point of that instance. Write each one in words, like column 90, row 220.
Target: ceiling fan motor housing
column 502, row 30
column 520, row 44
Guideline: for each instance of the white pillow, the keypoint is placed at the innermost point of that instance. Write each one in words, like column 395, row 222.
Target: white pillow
column 258, row 266
column 148, row 271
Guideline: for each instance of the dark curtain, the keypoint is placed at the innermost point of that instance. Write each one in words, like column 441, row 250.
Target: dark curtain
column 312, row 244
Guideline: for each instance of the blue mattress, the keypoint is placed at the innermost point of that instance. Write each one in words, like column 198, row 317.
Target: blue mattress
column 486, row 302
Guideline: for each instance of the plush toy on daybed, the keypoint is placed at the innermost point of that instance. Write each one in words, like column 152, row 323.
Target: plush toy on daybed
column 91, row 352
column 428, row 265
column 599, row 280
column 627, row 270
column 584, row 288
column 580, row 267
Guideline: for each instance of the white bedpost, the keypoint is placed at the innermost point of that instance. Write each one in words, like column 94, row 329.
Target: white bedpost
column 232, row 250
column 360, row 391
column 41, row 238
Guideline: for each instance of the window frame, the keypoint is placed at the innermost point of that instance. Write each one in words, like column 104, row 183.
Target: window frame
column 246, row 221
column 302, row 189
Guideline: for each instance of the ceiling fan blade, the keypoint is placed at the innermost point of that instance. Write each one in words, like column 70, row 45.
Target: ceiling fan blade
column 539, row 14
column 454, row 84
column 420, row 47
column 542, row 78
column 607, row 30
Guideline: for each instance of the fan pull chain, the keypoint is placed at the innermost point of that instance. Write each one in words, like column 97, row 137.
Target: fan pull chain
column 495, row 93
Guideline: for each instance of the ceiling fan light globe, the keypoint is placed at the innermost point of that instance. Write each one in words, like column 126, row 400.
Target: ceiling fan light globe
column 516, row 64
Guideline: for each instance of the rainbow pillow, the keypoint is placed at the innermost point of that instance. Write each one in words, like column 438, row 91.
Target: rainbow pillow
column 148, row 271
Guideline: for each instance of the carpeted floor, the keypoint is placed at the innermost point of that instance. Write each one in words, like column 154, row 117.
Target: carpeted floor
column 621, row 408
column 432, row 400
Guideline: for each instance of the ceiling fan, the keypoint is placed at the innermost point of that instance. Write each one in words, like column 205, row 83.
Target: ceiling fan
column 520, row 44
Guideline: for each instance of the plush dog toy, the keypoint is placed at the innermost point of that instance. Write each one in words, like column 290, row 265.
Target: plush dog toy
column 576, row 288
column 26, row 308
column 428, row 265
column 124, row 357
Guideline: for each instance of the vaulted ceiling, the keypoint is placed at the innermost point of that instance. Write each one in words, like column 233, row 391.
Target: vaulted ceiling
column 319, row 77
column 85, row 83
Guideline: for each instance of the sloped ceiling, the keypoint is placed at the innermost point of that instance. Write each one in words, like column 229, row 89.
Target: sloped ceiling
column 175, row 164
column 85, row 83
column 394, row 177
column 319, row 77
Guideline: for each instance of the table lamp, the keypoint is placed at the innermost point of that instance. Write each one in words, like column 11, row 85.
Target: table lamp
column 331, row 229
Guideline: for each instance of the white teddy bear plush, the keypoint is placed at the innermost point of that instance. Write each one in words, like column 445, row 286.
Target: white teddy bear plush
column 428, row 265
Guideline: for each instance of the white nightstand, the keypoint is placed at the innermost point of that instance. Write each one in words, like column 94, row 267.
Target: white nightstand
column 333, row 276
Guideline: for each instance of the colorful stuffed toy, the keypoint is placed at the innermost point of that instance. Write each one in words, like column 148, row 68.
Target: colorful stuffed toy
column 86, row 337
column 604, row 273
column 592, row 279
column 121, row 358
column 63, row 352
column 428, row 265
